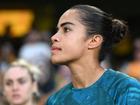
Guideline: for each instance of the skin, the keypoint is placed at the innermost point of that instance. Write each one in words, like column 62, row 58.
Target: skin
column 72, row 47
column 18, row 86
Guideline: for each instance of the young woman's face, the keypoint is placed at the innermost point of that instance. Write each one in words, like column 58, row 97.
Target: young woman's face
column 18, row 86
column 69, row 43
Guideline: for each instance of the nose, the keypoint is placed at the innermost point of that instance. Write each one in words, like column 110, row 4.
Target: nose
column 15, row 86
column 55, row 38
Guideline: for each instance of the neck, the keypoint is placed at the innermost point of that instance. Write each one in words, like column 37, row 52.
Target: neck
column 85, row 73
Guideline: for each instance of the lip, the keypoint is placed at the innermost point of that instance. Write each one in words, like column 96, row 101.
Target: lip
column 55, row 48
column 16, row 96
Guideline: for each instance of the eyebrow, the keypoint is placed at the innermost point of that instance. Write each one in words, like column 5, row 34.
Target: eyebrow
column 21, row 78
column 65, row 23
column 9, row 80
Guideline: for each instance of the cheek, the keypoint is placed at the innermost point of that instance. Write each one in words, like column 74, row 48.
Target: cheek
column 74, row 51
column 71, row 49
column 26, row 93
column 8, row 94
column 7, row 90
column 26, row 89
column 75, row 47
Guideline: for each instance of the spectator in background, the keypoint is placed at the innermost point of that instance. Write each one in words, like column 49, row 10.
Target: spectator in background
column 37, row 51
column 1, row 89
column 7, row 51
column 132, row 68
column 7, row 55
column 20, row 84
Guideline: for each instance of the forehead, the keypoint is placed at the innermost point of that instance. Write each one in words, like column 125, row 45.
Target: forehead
column 70, row 15
column 16, row 72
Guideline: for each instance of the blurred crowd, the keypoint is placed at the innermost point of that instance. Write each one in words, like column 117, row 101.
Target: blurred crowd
column 35, row 49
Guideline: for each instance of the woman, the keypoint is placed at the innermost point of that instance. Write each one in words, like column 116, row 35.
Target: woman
column 20, row 83
column 84, row 34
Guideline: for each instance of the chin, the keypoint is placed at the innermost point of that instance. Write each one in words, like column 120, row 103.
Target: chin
column 17, row 102
column 57, row 61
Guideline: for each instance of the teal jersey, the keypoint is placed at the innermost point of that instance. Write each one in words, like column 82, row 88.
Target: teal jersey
column 113, row 88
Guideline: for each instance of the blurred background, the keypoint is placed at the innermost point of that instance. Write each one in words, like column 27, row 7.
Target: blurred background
column 27, row 25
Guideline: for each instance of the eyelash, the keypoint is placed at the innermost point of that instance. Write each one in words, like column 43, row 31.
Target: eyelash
column 20, row 82
column 8, row 83
column 66, row 29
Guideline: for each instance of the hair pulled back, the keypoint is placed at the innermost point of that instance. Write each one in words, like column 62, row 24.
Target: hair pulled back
column 99, row 22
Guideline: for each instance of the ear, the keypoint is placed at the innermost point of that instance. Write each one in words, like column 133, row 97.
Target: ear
column 35, row 87
column 95, row 41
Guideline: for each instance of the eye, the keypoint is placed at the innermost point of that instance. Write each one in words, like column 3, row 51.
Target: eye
column 22, row 81
column 66, row 29
column 8, row 83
